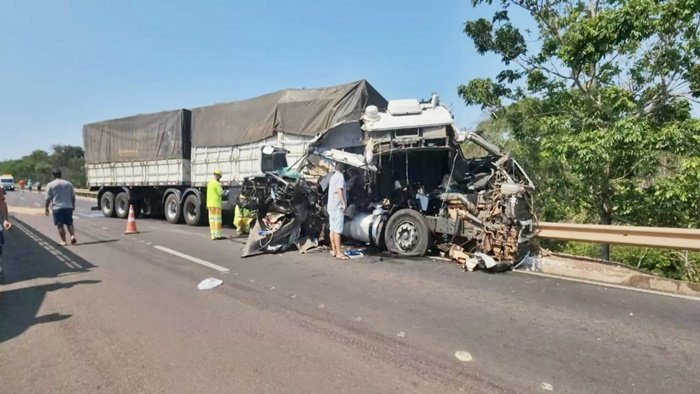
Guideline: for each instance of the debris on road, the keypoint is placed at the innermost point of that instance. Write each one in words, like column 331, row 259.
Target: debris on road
column 355, row 253
column 547, row 386
column 463, row 356
column 209, row 283
column 309, row 245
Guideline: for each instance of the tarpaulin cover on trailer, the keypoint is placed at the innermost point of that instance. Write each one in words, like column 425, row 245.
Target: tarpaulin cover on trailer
column 294, row 111
column 159, row 136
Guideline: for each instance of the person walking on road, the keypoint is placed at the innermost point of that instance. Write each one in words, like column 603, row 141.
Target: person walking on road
column 60, row 196
column 29, row 185
column 214, row 194
column 38, row 186
column 6, row 224
column 21, row 186
column 337, row 202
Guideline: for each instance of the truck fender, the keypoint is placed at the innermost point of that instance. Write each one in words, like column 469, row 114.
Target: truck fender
column 171, row 191
column 194, row 191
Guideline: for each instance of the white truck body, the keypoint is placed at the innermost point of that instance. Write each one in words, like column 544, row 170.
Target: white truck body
column 241, row 161
column 139, row 173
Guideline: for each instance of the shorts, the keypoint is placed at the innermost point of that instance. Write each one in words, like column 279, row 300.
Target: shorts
column 336, row 220
column 63, row 216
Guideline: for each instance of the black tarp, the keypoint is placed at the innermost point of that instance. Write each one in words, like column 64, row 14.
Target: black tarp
column 294, row 111
column 159, row 136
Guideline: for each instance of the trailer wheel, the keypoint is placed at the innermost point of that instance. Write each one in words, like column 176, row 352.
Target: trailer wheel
column 407, row 233
column 121, row 205
column 193, row 211
column 107, row 204
column 173, row 211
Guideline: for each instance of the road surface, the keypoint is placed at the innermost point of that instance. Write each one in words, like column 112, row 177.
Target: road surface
column 122, row 313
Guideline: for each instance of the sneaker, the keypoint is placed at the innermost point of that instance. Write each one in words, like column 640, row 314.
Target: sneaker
column 73, row 241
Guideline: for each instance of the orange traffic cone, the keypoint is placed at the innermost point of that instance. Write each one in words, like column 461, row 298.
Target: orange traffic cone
column 131, row 222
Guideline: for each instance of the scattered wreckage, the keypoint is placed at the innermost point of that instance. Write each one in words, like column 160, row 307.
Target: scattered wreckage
column 410, row 191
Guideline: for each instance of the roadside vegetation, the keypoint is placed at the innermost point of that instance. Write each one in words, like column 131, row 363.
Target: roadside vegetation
column 596, row 100
column 39, row 164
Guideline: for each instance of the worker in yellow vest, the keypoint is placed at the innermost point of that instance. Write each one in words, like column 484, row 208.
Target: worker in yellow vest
column 241, row 217
column 214, row 194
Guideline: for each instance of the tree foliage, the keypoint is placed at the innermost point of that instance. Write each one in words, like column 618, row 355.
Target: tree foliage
column 39, row 165
column 597, row 101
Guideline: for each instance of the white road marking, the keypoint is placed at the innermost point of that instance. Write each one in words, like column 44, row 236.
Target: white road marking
column 37, row 204
column 148, row 243
column 272, row 288
column 358, row 318
column 55, row 252
column 401, row 334
column 293, row 296
column 611, row 285
column 192, row 259
column 75, row 217
column 321, row 306
column 463, row 356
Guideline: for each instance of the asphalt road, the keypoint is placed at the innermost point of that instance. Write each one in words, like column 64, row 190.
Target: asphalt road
column 117, row 313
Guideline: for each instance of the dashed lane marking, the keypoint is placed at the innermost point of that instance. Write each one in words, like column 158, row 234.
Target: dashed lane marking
column 55, row 252
column 191, row 258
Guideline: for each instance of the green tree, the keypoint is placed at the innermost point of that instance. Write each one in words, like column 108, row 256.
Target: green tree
column 39, row 165
column 600, row 104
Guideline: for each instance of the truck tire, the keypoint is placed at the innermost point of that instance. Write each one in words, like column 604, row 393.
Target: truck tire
column 407, row 233
column 121, row 205
column 107, row 204
column 173, row 208
column 193, row 211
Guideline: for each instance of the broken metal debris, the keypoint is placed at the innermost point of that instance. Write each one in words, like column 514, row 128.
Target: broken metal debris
column 410, row 190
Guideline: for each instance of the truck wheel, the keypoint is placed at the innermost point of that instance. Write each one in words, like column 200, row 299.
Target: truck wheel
column 121, row 205
column 173, row 211
column 407, row 233
column 193, row 211
column 107, row 204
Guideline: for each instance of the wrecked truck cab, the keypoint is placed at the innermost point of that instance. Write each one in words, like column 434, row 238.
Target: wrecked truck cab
column 411, row 190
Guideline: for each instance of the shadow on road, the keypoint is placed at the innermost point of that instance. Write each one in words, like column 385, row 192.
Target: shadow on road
column 18, row 308
column 101, row 241
column 29, row 261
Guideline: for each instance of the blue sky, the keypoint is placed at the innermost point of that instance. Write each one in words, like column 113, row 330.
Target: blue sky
column 66, row 63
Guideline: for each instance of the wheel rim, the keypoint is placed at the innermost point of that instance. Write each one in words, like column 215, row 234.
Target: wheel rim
column 191, row 210
column 172, row 209
column 121, row 207
column 406, row 236
column 107, row 204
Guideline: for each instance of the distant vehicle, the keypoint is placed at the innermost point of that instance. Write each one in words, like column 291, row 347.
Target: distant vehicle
column 7, row 182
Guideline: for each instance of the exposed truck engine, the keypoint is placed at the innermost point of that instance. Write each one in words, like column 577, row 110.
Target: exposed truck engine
column 410, row 190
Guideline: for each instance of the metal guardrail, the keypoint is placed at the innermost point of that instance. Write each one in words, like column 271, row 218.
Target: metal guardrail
column 85, row 193
column 659, row 237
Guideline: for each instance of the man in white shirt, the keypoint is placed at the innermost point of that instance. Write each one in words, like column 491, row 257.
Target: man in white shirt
column 337, row 202
column 60, row 196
